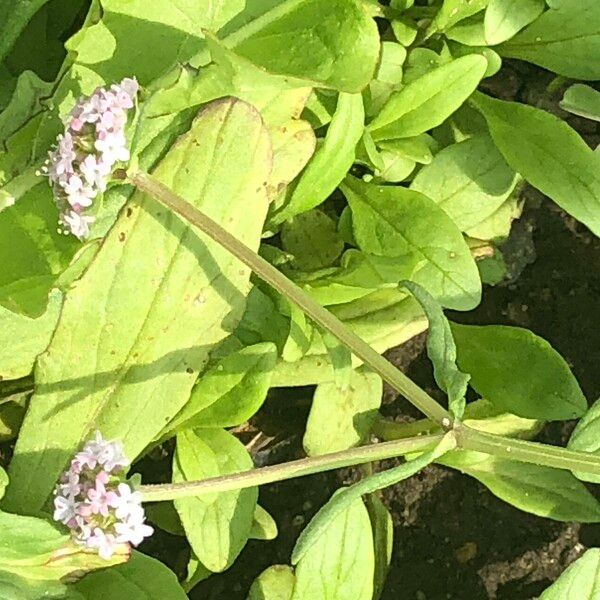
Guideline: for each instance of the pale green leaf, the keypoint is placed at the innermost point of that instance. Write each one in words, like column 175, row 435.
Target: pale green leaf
column 228, row 393
column 331, row 161
column 441, row 350
column 582, row 100
column 140, row 578
column 14, row 16
column 274, row 583
column 542, row 491
column 454, row 11
column 586, row 438
column 333, row 44
column 564, row 39
column 340, row 564
column 23, row 339
column 469, row 180
column 394, row 222
column 124, row 362
column 340, row 419
column 264, row 526
column 505, row 18
column 580, row 581
column 519, row 372
column 217, row 526
column 549, row 154
column 429, row 100
column 383, row 541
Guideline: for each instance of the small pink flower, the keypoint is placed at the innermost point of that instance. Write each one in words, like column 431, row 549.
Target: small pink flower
column 104, row 543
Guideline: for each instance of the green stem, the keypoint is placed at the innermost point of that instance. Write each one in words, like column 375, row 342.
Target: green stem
column 295, row 468
column 390, row 430
column 398, row 380
column 528, row 452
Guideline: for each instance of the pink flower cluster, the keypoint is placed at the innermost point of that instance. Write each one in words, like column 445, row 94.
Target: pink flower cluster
column 92, row 499
column 93, row 142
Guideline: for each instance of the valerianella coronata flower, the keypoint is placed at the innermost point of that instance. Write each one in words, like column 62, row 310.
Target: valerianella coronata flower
column 86, row 152
column 95, row 502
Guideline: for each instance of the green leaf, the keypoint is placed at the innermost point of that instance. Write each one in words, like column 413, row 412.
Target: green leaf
column 580, row 581
column 14, row 16
column 16, row 587
column 542, row 491
column 563, row 39
column 340, row 564
column 582, row 100
column 469, row 180
column 505, row 18
column 230, row 392
column 300, row 332
column 264, row 526
column 25, row 101
column 549, row 154
column 140, row 578
column 340, row 358
column 275, row 583
column 34, row 252
column 23, row 339
column 331, row 44
column 586, row 438
column 132, row 364
column 441, row 350
column 35, row 548
column 331, row 161
column 395, row 222
column 453, row 11
column 219, row 525
column 3, row 481
column 312, row 239
column 164, row 515
column 316, row 531
column 519, row 372
column 340, row 419
column 383, row 541
column 429, row 100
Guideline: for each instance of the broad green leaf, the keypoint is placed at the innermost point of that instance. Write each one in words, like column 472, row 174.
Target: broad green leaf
column 580, row 581
column 383, row 541
column 3, row 481
column 317, row 530
column 564, row 39
column 264, row 526
column 469, row 180
column 549, row 154
column 384, row 319
column 312, row 239
column 395, row 167
column 395, row 222
column 340, row 419
column 494, row 61
column 300, row 332
column 485, row 416
column 125, row 363
column 542, row 491
column 164, row 515
column 498, row 224
column 23, row 339
column 505, row 18
column 340, row 564
column 414, row 148
column 388, row 77
column 454, row 11
column 582, row 100
column 340, row 357
column 38, row 549
column 25, row 101
column 152, row 37
column 274, row 583
column 518, row 371
column 333, row 44
column 441, row 350
column 586, row 438
column 17, row 587
column 38, row 253
column 217, row 526
column 228, row 393
column 429, row 100
column 140, row 578
column 331, row 161
column 14, row 16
